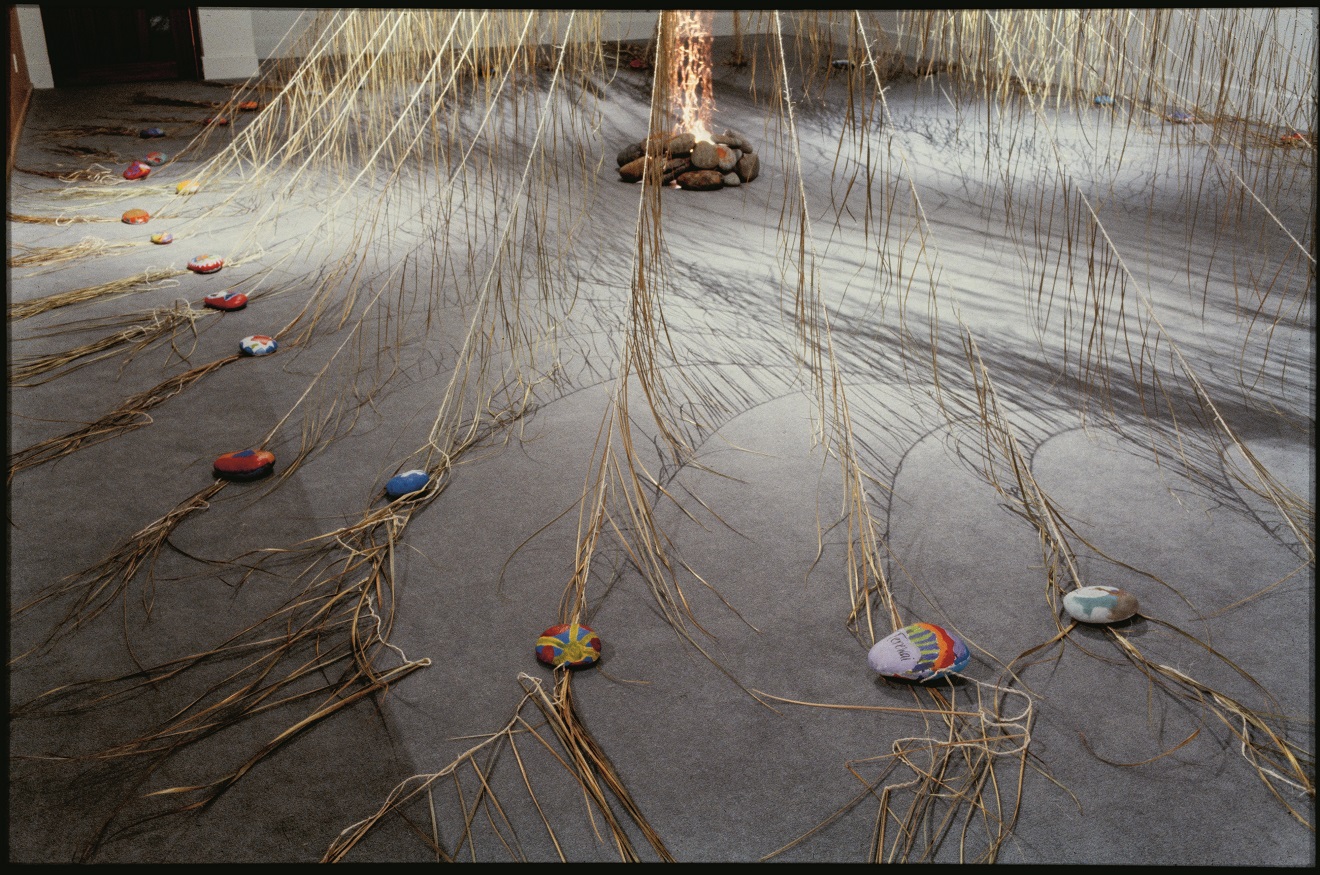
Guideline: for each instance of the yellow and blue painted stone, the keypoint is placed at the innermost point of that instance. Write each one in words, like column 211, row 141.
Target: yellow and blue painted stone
column 570, row 645
column 919, row 652
column 1100, row 604
column 406, row 483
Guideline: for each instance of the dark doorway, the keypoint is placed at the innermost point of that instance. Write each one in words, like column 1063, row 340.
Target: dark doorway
column 95, row 45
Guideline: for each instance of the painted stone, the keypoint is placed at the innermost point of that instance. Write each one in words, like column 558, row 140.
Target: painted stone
column 188, row 186
column 725, row 158
column 1179, row 117
column 226, row 301
column 568, row 645
column 135, row 217
column 137, row 170
column 206, row 264
column 919, row 652
column 150, row 133
column 162, row 238
column 155, row 159
column 215, row 120
column 1294, row 138
column 1100, row 604
column 257, row 344
column 1104, row 100
column 249, row 106
column 245, row 465
column 407, row 482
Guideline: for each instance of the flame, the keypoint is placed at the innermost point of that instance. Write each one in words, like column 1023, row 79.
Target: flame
column 690, row 73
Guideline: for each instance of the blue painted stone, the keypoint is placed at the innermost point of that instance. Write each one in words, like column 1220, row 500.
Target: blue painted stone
column 257, row 344
column 1100, row 604
column 150, row 133
column 406, row 483
column 1104, row 100
column 1179, row 117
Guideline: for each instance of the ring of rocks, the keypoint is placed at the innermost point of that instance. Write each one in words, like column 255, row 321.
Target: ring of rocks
column 700, row 165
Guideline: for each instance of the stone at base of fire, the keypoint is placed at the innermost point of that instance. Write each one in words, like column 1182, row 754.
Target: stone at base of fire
column 731, row 179
column 634, row 170
column 748, row 166
column 705, row 155
column 735, row 140
column 701, row 180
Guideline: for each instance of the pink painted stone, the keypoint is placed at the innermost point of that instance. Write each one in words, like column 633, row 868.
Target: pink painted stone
column 226, row 301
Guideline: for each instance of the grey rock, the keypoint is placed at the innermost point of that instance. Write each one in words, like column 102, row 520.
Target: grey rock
column 674, row 167
column 731, row 179
column 726, row 157
column 735, row 140
column 748, row 166
column 705, row 155
column 631, row 153
column 680, row 145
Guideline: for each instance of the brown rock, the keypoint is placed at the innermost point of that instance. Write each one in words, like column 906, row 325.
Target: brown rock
column 633, row 170
column 701, row 180
column 675, row 167
column 748, row 166
column 705, row 156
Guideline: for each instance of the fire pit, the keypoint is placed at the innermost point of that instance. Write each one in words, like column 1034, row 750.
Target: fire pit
column 724, row 160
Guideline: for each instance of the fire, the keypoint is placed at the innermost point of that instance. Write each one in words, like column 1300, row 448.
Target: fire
column 690, row 73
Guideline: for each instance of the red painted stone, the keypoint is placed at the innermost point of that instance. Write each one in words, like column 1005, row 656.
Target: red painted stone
column 226, row 301
column 245, row 465
column 216, row 120
column 206, row 264
column 137, row 170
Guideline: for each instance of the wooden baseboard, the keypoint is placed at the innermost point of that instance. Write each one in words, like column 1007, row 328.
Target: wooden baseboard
column 17, row 116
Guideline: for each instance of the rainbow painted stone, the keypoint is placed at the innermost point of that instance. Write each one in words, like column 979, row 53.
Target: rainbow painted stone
column 919, row 652
column 226, row 301
column 568, row 646
column 1100, row 604
column 155, row 159
column 257, row 344
column 150, row 133
column 136, row 170
column 245, row 465
column 135, row 217
column 163, row 237
column 407, row 482
column 206, row 264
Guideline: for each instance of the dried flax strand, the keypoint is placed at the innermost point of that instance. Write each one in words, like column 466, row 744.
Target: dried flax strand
column 151, row 279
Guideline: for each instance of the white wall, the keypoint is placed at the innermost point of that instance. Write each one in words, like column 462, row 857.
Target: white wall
column 228, row 43
column 34, row 46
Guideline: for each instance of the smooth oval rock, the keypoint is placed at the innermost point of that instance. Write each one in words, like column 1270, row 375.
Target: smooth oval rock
column 244, row 465
column 735, row 140
column 226, row 301
column 215, row 120
column 730, row 180
column 135, row 217
column 257, row 344
column 568, row 645
column 162, row 238
column 748, row 166
column 1100, row 604
column 406, row 483
column 1179, row 117
column 188, row 186
column 629, row 154
column 155, row 159
column 674, row 168
column 249, row 106
column 704, row 155
column 919, row 652
column 150, row 133
column 726, row 158
column 1104, row 100
column 633, row 170
column 701, row 180
column 681, row 145
column 137, row 170
column 205, row 263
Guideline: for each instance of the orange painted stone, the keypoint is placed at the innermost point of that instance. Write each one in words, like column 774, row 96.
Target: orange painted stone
column 135, row 217
column 245, row 465
column 226, row 301
column 249, row 106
